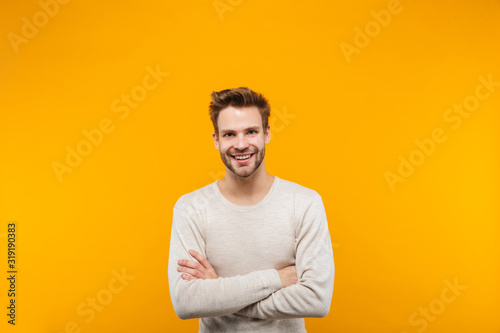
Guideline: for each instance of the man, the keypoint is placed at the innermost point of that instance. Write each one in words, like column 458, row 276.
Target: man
column 250, row 252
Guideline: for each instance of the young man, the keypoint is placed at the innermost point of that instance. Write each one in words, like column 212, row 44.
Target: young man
column 250, row 252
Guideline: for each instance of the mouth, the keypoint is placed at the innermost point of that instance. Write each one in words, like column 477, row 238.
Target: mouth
column 242, row 158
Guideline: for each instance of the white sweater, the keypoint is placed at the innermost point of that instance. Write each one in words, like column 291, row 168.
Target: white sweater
column 246, row 245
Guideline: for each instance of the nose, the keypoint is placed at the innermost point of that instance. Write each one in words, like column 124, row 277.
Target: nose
column 241, row 143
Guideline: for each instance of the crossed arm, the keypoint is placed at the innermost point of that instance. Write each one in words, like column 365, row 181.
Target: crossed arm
column 201, row 269
column 304, row 290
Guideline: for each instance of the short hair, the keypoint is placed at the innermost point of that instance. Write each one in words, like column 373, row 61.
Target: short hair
column 238, row 97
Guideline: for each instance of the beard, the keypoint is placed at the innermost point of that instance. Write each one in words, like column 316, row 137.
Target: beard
column 247, row 170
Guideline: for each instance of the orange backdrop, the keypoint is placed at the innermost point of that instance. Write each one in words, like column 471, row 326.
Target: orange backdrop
column 389, row 109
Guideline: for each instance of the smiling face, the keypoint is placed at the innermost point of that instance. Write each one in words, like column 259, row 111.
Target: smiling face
column 241, row 141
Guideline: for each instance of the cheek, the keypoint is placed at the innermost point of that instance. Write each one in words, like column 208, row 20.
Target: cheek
column 260, row 142
column 223, row 148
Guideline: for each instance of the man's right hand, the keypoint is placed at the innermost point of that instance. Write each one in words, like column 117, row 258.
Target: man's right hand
column 288, row 276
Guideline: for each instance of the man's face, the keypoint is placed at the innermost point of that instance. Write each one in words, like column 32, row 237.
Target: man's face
column 241, row 140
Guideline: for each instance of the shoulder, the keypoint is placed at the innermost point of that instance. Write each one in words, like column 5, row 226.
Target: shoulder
column 196, row 199
column 299, row 193
column 306, row 204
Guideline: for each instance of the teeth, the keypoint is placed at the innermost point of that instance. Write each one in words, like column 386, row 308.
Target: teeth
column 242, row 157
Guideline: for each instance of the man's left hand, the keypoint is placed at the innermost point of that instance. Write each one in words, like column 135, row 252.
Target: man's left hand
column 196, row 270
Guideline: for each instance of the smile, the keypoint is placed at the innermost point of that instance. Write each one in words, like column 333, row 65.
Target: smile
column 243, row 158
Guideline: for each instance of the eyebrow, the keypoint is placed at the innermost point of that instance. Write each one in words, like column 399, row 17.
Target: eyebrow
column 223, row 131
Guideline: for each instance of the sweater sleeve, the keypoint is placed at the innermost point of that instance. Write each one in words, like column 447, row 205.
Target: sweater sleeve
column 312, row 294
column 212, row 297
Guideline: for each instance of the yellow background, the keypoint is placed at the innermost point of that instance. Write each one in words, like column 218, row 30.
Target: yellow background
column 348, row 119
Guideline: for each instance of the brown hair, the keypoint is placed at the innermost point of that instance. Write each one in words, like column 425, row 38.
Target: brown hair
column 238, row 97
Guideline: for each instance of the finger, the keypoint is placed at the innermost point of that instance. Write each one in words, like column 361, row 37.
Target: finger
column 192, row 264
column 202, row 260
column 191, row 271
column 188, row 277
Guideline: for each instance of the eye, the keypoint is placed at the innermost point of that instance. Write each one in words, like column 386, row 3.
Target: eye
column 227, row 134
column 252, row 131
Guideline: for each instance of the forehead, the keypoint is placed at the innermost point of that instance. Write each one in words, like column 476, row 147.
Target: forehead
column 239, row 118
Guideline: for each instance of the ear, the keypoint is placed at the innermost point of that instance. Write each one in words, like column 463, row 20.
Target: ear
column 267, row 134
column 216, row 140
